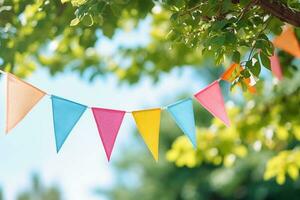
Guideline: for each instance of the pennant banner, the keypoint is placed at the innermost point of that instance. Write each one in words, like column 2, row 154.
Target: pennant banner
column 148, row 124
column 183, row 114
column 211, row 98
column 65, row 116
column 21, row 98
column 108, row 124
column 275, row 67
column 288, row 42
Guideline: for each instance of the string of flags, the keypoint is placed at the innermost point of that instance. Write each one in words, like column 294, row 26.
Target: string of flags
column 21, row 97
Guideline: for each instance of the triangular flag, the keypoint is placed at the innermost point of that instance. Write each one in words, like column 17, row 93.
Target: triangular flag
column 65, row 115
column 148, row 123
column 288, row 42
column 183, row 114
column 108, row 124
column 211, row 98
column 21, row 98
column 275, row 67
column 232, row 72
column 251, row 88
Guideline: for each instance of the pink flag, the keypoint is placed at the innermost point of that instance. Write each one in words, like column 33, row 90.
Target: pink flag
column 108, row 124
column 275, row 67
column 211, row 98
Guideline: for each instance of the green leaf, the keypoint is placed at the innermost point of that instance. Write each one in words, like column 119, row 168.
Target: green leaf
column 236, row 57
column 265, row 60
column 218, row 25
column 255, row 69
column 74, row 21
column 88, row 20
column 217, row 40
column 245, row 73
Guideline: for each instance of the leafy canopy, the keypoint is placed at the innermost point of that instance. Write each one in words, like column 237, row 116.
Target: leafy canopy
column 63, row 36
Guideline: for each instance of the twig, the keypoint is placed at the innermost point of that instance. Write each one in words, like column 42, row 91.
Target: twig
column 255, row 39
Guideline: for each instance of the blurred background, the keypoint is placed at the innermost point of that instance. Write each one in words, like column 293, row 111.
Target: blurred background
column 134, row 54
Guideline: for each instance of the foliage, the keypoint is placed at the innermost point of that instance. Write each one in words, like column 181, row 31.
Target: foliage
column 37, row 33
column 63, row 35
column 222, row 30
column 257, row 158
column 267, row 124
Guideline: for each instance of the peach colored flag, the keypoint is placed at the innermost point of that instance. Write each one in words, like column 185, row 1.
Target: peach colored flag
column 288, row 42
column 21, row 97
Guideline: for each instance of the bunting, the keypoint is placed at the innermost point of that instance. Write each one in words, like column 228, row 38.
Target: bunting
column 275, row 67
column 183, row 114
column 148, row 123
column 288, row 42
column 211, row 98
column 21, row 98
column 108, row 124
column 66, row 114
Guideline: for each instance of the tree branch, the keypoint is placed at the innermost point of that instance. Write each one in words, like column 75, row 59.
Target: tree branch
column 281, row 11
column 277, row 9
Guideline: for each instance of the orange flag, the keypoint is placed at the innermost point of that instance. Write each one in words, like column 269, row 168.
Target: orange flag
column 232, row 72
column 288, row 42
column 21, row 97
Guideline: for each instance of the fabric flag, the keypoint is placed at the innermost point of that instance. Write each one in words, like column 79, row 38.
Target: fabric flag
column 211, row 98
column 108, row 124
column 275, row 67
column 183, row 114
column 21, row 98
column 288, row 42
column 65, row 115
column 148, row 123
column 232, row 72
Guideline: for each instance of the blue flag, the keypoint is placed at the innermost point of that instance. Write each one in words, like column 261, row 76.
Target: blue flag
column 183, row 114
column 65, row 115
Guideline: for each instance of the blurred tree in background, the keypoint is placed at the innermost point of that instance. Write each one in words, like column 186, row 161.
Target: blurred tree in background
column 37, row 191
column 256, row 158
column 40, row 192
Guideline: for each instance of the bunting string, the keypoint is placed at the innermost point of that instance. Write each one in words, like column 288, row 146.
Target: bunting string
column 21, row 97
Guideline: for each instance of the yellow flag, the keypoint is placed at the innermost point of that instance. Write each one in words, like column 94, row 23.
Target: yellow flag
column 21, row 97
column 148, row 123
